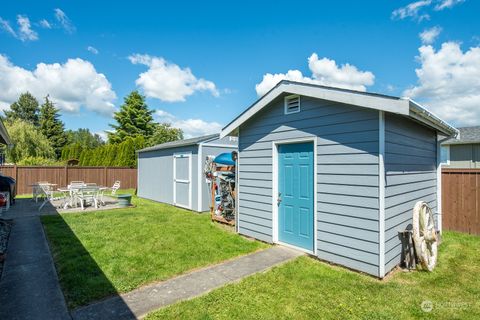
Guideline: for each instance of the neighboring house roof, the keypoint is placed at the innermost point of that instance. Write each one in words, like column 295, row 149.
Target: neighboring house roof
column 403, row 106
column 466, row 135
column 4, row 137
column 181, row 143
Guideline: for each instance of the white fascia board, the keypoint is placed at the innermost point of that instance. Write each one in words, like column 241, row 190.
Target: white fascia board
column 420, row 113
column 399, row 106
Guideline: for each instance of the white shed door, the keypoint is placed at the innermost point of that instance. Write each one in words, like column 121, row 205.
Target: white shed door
column 182, row 180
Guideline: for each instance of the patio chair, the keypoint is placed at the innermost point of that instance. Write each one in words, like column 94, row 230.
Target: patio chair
column 115, row 187
column 88, row 195
column 47, row 192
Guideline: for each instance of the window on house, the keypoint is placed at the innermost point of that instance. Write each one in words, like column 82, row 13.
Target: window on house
column 292, row 104
column 445, row 155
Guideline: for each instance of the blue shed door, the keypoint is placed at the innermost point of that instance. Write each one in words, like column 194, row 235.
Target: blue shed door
column 295, row 187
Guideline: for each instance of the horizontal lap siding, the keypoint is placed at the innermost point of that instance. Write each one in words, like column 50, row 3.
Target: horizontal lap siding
column 410, row 167
column 155, row 174
column 347, row 177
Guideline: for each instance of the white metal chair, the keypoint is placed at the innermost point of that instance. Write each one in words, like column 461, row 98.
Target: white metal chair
column 115, row 188
column 47, row 192
column 88, row 195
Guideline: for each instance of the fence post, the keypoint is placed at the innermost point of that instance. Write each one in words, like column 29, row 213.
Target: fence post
column 105, row 176
column 65, row 171
column 15, row 168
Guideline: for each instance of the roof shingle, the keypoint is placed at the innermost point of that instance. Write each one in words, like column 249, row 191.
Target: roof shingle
column 466, row 135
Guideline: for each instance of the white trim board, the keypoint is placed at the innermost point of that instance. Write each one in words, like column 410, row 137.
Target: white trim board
column 219, row 145
column 199, row 177
column 439, row 184
column 275, row 145
column 237, row 187
column 381, row 193
column 189, row 181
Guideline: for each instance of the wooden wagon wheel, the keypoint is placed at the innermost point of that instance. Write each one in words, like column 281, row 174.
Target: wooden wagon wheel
column 425, row 235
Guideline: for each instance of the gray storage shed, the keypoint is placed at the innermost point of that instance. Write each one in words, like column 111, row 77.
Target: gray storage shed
column 172, row 172
column 336, row 172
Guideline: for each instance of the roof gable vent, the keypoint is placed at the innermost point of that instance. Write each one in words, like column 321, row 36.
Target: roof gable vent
column 292, row 104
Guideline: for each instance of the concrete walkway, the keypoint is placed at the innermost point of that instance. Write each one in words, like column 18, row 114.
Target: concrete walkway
column 139, row 302
column 29, row 287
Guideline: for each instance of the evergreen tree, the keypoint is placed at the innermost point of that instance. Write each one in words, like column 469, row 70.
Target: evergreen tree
column 133, row 119
column 113, row 150
column 52, row 127
column 81, row 159
column 25, row 108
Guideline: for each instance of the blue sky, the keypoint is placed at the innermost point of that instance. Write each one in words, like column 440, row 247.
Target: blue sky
column 201, row 61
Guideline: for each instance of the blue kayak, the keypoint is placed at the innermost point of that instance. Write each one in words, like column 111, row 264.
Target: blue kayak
column 225, row 159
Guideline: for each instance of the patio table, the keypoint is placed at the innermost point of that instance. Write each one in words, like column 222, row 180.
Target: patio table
column 71, row 192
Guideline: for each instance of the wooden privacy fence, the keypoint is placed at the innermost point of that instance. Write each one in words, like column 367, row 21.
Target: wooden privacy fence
column 461, row 200
column 62, row 175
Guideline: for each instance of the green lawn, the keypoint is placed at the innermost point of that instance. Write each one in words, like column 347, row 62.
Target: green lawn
column 100, row 253
column 309, row 289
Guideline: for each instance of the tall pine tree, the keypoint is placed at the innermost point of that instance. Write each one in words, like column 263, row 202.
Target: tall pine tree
column 133, row 119
column 25, row 109
column 52, row 127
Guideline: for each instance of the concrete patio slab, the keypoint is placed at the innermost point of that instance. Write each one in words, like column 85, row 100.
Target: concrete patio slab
column 138, row 303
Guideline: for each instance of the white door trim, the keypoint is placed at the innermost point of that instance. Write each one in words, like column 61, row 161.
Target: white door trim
column 189, row 181
column 275, row 145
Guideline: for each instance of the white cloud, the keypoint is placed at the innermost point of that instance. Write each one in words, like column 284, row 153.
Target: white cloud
column 64, row 20
column 70, row 85
column 325, row 72
column 447, row 4
column 190, row 127
column 25, row 32
column 412, row 10
column 45, row 24
column 449, row 82
column 5, row 25
column 167, row 81
column 428, row 36
column 92, row 49
column 103, row 135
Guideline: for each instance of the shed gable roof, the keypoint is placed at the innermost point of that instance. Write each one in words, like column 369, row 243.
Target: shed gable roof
column 381, row 102
column 181, row 143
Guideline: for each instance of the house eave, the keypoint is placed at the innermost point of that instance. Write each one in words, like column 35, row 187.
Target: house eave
column 5, row 137
column 402, row 106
